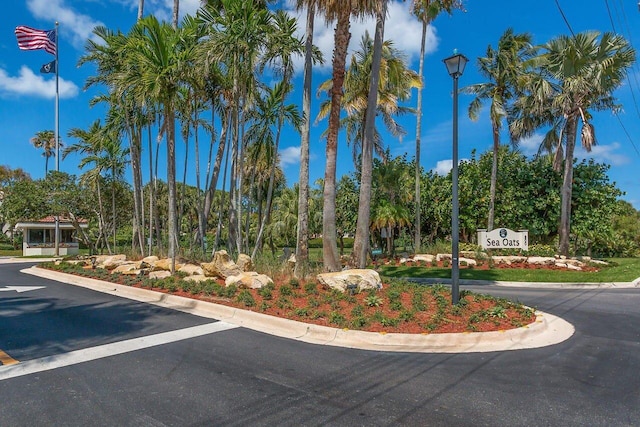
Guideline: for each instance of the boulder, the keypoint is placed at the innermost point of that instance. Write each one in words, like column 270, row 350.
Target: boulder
column 130, row 269
column 110, row 261
column 467, row 261
column 191, row 270
column 428, row 258
column 151, row 260
column 165, row 264
column 244, row 262
column 541, row 260
column 221, row 266
column 249, row 279
column 443, row 257
column 361, row 278
column 159, row 274
column 508, row 260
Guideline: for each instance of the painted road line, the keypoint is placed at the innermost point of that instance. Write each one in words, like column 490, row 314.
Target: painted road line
column 85, row 355
column 7, row 360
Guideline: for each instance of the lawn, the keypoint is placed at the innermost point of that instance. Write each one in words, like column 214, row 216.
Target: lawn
column 619, row 270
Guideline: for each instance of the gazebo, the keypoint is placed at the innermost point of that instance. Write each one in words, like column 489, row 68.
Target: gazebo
column 39, row 236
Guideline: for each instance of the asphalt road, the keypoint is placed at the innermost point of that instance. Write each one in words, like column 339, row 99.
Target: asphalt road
column 241, row 377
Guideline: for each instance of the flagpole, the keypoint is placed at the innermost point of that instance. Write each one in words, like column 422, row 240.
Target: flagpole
column 57, row 137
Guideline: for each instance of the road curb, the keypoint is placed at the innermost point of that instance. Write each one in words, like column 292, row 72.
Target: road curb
column 546, row 330
column 539, row 285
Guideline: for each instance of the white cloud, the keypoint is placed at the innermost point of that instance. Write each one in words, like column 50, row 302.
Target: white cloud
column 443, row 167
column 400, row 26
column 529, row 146
column 163, row 9
column 28, row 83
column 603, row 154
column 289, row 156
column 71, row 22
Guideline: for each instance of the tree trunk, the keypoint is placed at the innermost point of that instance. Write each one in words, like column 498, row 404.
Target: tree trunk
column 302, row 237
column 330, row 255
column 494, row 176
column 171, row 183
column 418, row 174
column 567, row 187
column 361, row 242
column 174, row 17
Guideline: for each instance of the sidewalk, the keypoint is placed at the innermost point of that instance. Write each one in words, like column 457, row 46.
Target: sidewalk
column 540, row 285
column 546, row 330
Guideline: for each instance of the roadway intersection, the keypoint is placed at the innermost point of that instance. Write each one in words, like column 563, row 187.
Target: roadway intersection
column 164, row 367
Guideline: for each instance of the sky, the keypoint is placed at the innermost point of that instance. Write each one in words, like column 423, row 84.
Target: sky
column 27, row 97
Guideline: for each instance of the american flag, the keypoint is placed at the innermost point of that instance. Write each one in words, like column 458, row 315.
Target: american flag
column 32, row 39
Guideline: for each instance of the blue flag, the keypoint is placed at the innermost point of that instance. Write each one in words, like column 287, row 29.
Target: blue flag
column 49, row 67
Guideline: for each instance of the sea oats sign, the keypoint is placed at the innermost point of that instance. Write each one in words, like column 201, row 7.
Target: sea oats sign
column 503, row 238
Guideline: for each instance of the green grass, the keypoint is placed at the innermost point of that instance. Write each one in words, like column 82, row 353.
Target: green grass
column 619, row 270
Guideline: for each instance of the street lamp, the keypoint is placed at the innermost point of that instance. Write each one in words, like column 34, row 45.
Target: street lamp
column 455, row 66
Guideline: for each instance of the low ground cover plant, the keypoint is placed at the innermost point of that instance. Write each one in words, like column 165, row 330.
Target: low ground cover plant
column 400, row 306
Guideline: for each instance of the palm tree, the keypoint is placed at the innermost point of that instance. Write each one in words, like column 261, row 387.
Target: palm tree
column 46, row 141
column 140, row 9
column 160, row 55
column 501, row 67
column 174, row 16
column 395, row 82
column 339, row 11
column 426, row 11
column 571, row 76
column 302, row 237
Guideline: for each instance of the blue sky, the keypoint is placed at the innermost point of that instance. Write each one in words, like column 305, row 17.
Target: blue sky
column 27, row 97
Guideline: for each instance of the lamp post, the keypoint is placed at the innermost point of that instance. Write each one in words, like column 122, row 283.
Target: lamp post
column 455, row 66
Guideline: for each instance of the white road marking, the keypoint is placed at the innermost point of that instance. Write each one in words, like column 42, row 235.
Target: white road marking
column 20, row 289
column 92, row 353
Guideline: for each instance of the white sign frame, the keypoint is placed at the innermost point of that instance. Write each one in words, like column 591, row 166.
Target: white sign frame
column 504, row 238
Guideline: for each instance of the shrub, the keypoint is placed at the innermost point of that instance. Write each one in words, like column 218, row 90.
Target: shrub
column 245, row 297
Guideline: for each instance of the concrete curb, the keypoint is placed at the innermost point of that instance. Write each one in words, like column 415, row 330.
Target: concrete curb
column 541, row 285
column 546, row 330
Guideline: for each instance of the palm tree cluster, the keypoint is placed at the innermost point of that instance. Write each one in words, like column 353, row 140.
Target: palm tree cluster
column 228, row 72
column 554, row 86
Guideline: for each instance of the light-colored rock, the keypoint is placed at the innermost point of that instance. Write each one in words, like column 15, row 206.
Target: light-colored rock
column 130, row 269
column 574, row 262
column 197, row 278
column 598, row 262
column 110, row 262
column 151, row 260
column 467, row 261
column 291, row 262
column 244, row 262
column 191, row 270
column 362, row 278
column 221, row 266
column 443, row 257
column 404, row 260
column 159, row 274
column 165, row 264
column 428, row 258
column 541, row 260
column 508, row 260
column 574, row 267
column 249, row 279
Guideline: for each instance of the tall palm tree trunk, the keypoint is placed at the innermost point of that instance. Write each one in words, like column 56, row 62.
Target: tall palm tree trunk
column 331, row 257
column 171, row 183
column 140, row 9
column 418, row 173
column 494, row 177
column 302, row 237
column 567, row 186
column 361, row 243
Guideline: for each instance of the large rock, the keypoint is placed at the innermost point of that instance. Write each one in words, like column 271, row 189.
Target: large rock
column 361, row 278
column 110, row 261
column 244, row 262
column 428, row 258
column 249, row 279
column 508, row 260
column 165, row 264
column 221, row 266
column 541, row 260
column 159, row 274
column 129, row 269
column 191, row 270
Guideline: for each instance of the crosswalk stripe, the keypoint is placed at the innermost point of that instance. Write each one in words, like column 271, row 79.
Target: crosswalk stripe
column 92, row 353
